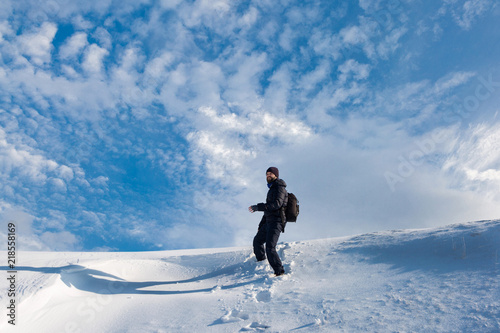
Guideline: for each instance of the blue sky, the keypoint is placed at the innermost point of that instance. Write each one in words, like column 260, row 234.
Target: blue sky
column 148, row 125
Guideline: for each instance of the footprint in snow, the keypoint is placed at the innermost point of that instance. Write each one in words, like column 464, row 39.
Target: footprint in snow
column 255, row 326
column 263, row 296
column 232, row 316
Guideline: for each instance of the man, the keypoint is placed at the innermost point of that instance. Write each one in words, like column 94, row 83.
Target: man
column 273, row 221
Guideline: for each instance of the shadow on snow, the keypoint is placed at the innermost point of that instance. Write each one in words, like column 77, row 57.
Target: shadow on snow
column 95, row 281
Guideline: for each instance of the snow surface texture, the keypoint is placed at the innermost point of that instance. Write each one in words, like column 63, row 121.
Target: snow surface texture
column 433, row 280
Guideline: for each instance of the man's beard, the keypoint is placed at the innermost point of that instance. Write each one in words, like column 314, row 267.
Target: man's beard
column 269, row 180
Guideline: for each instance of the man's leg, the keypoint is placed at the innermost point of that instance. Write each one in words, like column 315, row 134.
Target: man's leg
column 258, row 243
column 272, row 236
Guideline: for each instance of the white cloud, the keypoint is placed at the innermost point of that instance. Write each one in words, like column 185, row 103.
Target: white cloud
column 268, row 32
column 243, row 86
column 29, row 239
column 208, row 12
column 70, row 72
column 391, row 42
column 369, row 5
column 60, row 241
column 101, row 181
column 169, row 4
column 94, row 56
column 132, row 59
column 353, row 35
column 157, row 67
column 286, row 38
column 222, row 159
column 358, row 71
column 277, row 94
column 38, row 45
column 57, row 185
column 20, row 166
column 249, row 18
column 420, row 101
column 187, row 86
column 5, row 30
column 33, row 166
column 452, row 80
column 104, row 38
column 80, row 23
column 228, row 142
column 471, row 10
column 467, row 12
column 487, row 175
column 227, row 121
column 360, row 36
column 66, row 173
column 310, row 80
column 286, row 129
column 321, row 109
column 474, row 161
column 73, row 46
column 326, row 44
column 258, row 123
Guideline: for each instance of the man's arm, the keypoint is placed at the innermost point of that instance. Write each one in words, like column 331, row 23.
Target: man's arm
column 275, row 205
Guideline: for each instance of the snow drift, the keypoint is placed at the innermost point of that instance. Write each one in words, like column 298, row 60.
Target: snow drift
column 433, row 280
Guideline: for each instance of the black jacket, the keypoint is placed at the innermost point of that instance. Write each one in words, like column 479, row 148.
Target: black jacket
column 277, row 197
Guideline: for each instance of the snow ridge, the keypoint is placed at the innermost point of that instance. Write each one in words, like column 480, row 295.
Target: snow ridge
column 433, row 280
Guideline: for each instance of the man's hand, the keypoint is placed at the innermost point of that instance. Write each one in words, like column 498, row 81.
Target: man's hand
column 251, row 209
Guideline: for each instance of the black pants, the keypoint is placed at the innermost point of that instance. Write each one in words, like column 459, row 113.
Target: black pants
column 268, row 233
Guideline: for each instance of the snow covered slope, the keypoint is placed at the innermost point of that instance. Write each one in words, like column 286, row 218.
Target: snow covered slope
column 433, row 280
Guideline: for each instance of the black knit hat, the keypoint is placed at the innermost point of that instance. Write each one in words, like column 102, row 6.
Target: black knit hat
column 275, row 171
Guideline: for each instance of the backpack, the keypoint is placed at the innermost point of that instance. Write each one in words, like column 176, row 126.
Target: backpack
column 292, row 208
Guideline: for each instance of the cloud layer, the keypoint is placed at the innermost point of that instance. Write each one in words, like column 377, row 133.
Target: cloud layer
column 144, row 125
